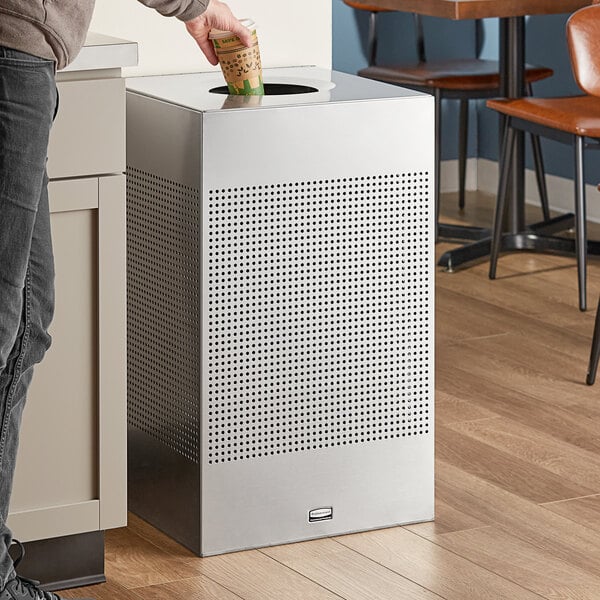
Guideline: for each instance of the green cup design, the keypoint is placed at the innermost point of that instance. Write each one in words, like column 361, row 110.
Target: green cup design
column 241, row 66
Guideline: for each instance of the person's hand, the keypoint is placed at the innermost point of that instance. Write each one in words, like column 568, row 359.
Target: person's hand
column 217, row 16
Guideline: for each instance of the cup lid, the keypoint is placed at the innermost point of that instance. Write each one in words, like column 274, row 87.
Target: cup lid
column 217, row 34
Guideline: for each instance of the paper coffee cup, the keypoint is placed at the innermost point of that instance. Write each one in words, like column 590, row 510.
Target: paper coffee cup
column 241, row 66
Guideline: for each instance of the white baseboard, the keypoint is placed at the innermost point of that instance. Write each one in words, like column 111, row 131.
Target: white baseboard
column 449, row 175
column 482, row 174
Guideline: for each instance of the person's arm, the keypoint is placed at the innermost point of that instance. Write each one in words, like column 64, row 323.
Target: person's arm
column 200, row 16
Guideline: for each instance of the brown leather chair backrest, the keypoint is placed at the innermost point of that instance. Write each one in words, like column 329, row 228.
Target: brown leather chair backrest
column 583, row 35
column 366, row 6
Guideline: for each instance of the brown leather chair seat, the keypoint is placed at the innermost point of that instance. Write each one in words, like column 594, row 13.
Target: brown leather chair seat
column 578, row 115
column 457, row 74
column 366, row 6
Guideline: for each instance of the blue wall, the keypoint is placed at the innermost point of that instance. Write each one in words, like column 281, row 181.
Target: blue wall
column 546, row 45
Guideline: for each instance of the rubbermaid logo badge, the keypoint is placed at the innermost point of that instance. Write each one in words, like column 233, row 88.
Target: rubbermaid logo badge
column 320, row 514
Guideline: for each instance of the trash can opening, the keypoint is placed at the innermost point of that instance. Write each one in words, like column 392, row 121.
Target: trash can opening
column 274, row 89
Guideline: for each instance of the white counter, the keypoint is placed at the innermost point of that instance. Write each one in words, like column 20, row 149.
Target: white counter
column 104, row 52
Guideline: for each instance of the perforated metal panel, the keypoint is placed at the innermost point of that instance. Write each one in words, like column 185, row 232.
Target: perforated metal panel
column 319, row 315
column 163, row 220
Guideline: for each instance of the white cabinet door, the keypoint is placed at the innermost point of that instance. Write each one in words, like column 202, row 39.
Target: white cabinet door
column 70, row 475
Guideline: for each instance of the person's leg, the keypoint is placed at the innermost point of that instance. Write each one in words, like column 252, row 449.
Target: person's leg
column 27, row 106
column 34, row 341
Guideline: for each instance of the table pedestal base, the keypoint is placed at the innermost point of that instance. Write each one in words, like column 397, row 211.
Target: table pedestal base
column 536, row 238
column 449, row 232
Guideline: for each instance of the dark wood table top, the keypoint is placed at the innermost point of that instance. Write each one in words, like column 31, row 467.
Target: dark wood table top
column 480, row 9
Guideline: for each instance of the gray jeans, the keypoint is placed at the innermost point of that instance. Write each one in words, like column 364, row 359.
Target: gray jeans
column 28, row 101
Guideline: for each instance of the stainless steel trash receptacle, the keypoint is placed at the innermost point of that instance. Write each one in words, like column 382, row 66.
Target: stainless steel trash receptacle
column 280, row 274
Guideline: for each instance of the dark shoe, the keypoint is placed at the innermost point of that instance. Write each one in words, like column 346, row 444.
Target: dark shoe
column 21, row 588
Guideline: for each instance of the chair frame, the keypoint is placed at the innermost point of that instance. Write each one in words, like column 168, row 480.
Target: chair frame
column 595, row 351
column 543, row 238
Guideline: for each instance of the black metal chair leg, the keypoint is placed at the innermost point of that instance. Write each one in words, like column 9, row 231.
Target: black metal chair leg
column 580, row 224
column 595, row 351
column 438, row 140
column 540, row 172
column 372, row 43
column 540, row 175
column 462, row 151
column 505, row 160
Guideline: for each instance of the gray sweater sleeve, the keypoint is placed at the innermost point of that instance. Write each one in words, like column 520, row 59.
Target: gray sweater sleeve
column 185, row 10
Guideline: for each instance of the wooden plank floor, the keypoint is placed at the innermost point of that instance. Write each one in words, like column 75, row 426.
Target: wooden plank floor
column 518, row 467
